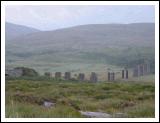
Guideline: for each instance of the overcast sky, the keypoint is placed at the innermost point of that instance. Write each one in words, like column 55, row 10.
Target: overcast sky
column 52, row 17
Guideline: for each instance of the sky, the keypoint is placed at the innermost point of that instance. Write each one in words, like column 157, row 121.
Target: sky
column 50, row 17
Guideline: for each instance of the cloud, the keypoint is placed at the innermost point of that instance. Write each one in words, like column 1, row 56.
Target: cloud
column 58, row 16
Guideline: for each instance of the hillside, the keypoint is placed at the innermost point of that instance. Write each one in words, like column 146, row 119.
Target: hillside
column 13, row 30
column 141, row 34
column 81, row 46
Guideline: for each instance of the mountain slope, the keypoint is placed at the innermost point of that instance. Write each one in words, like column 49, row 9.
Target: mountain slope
column 80, row 46
column 93, row 35
column 14, row 30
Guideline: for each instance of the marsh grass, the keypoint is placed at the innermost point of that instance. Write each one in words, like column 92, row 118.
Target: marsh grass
column 25, row 97
column 28, row 110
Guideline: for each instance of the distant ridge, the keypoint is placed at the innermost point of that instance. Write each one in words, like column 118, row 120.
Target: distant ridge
column 15, row 30
column 141, row 34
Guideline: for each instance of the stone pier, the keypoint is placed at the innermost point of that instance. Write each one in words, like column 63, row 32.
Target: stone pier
column 141, row 70
column 135, row 71
column 125, row 74
column 93, row 77
column 109, row 79
column 122, row 74
column 67, row 76
column 58, row 75
column 112, row 76
column 81, row 76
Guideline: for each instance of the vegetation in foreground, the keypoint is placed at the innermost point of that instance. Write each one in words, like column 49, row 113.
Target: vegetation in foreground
column 25, row 97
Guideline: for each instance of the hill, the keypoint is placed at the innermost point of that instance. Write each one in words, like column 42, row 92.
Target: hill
column 80, row 46
column 93, row 35
column 13, row 30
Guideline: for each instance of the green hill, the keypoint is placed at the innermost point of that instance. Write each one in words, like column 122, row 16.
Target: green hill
column 81, row 46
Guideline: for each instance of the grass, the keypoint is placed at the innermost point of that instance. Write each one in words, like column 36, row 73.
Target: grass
column 28, row 110
column 145, row 109
column 25, row 96
column 79, row 60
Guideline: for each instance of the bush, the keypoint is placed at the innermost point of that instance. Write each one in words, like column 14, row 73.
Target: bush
column 27, row 71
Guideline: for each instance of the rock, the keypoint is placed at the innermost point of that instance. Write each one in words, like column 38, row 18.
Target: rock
column 119, row 115
column 48, row 104
column 95, row 114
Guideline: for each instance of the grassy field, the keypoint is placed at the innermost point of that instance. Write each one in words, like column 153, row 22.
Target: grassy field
column 25, row 97
column 96, row 60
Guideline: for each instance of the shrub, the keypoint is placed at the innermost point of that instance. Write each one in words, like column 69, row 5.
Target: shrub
column 27, row 71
